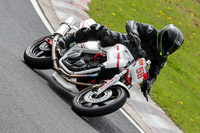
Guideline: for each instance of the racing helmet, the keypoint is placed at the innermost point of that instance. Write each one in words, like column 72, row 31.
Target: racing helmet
column 169, row 39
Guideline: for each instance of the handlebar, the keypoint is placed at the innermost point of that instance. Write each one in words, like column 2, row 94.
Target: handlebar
column 148, row 62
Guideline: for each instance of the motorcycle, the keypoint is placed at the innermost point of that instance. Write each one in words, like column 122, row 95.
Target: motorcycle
column 101, row 77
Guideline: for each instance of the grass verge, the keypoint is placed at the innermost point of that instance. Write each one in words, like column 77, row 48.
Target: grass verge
column 177, row 89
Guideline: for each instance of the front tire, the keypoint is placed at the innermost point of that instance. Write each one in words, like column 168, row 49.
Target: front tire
column 109, row 101
column 38, row 58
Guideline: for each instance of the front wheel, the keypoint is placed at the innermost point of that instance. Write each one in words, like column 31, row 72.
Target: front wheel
column 38, row 54
column 86, row 103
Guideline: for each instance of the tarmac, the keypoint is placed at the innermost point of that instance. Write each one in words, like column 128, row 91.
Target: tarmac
column 148, row 115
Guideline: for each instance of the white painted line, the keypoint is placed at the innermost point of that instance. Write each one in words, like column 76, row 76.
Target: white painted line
column 46, row 23
column 132, row 121
column 156, row 121
column 41, row 15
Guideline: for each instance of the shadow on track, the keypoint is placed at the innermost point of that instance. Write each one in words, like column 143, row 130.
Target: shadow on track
column 103, row 124
column 59, row 90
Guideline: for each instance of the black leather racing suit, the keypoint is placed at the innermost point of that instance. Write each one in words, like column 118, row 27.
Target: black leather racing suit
column 147, row 34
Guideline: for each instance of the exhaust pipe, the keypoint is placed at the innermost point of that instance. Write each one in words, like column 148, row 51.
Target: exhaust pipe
column 60, row 32
column 64, row 27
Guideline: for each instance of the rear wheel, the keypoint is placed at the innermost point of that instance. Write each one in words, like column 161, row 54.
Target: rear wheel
column 86, row 103
column 38, row 54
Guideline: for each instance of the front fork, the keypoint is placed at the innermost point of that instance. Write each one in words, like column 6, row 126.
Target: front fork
column 110, row 82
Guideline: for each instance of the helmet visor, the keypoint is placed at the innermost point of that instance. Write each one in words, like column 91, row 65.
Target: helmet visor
column 167, row 47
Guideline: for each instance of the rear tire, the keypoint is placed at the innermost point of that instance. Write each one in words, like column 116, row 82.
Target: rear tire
column 108, row 103
column 37, row 58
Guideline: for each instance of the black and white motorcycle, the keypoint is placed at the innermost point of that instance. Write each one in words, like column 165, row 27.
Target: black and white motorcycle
column 99, row 76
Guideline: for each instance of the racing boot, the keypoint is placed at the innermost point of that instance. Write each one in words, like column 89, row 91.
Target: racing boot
column 64, row 42
column 78, row 36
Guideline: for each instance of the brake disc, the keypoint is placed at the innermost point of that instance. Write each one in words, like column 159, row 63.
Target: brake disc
column 92, row 98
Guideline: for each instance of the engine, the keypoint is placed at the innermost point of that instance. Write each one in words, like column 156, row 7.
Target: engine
column 77, row 61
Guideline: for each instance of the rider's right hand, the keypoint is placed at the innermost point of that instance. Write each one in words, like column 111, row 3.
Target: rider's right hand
column 141, row 54
column 137, row 44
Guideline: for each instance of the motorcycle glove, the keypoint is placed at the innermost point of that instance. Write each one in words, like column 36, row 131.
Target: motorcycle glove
column 137, row 45
column 146, row 85
column 141, row 54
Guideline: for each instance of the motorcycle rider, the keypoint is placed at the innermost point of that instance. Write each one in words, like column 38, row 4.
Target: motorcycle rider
column 143, row 40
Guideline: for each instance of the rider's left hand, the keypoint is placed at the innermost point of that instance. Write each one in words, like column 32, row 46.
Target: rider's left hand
column 146, row 86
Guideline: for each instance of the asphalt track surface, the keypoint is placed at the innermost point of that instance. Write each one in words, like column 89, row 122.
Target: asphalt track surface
column 30, row 101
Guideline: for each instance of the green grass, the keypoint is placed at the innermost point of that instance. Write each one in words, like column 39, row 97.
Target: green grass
column 177, row 89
